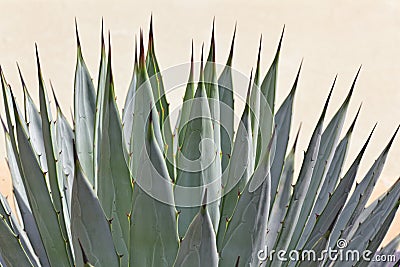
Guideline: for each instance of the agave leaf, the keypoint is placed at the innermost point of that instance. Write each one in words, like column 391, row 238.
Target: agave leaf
column 52, row 176
column 282, row 198
column 267, row 104
column 101, row 88
column 8, row 105
column 89, row 226
column 239, row 170
column 187, row 104
column 10, row 247
column 8, row 217
column 283, row 119
column 129, row 107
column 43, row 210
column 197, row 165
column 84, row 109
column 379, row 218
column 317, row 249
column 21, row 197
column 374, row 243
column 144, row 103
column 391, row 247
column 114, row 182
column 303, row 181
column 86, row 262
column 326, row 151
column 161, row 102
column 245, row 234
column 255, row 97
column 214, row 172
column 329, row 184
column 212, row 91
column 34, row 124
column 66, row 164
column 198, row 248
column 64, row 138
column 11, row 107
column 153, row 227
column 359, row 197
column 225, row 88
column 328, row 217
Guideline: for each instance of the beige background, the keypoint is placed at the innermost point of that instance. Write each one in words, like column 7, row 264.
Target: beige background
column 332, row 37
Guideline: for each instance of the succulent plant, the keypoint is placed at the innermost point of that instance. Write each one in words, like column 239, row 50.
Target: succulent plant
column 131, row 190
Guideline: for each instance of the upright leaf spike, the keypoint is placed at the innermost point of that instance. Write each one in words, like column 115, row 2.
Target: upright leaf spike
column 322, row 117
column 351, row 128
column 151, row 36
column 278, row 50
column 142, row 63
column 294, row 87
column 211, row 55
column 78, row 42
column 353, row 85
column 54, row 96
column 229, row 61
column 296, row 138
column 102, row 34
column 136, row 54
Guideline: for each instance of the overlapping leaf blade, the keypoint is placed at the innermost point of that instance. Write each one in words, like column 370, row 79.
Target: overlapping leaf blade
column 114, row 180
column 153, row 226
column 226, row 99
column 246, row 231
column 329, row 140
column 89, row 226
column 84, row 110
column 302, row 184
column 198, row 248
column 161, row 102
column 239, row 170
column 43, row 211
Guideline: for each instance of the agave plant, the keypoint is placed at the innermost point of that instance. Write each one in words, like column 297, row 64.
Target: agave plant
column 130, row 190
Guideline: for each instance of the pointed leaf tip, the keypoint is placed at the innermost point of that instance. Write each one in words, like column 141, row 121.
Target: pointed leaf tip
column 296, row 138
column 192, row 55
column 280, row 44
column 369, row 138
column 351, row 128
column 229, row 62
column 212, row 44
column 329, row 98
column 54, row 96
column 78, row 42
column 102, row 33
column 249, row 88
column 4, row 125
column 141, row 53
column 392, row 139
column 237, row 261
column 21, row 77
column 204, row 202
column 353, row 85
column 151, row 37
column 296, row 80
column 136, row 54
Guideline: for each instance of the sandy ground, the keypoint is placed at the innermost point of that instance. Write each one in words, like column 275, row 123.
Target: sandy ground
column 332, row 37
